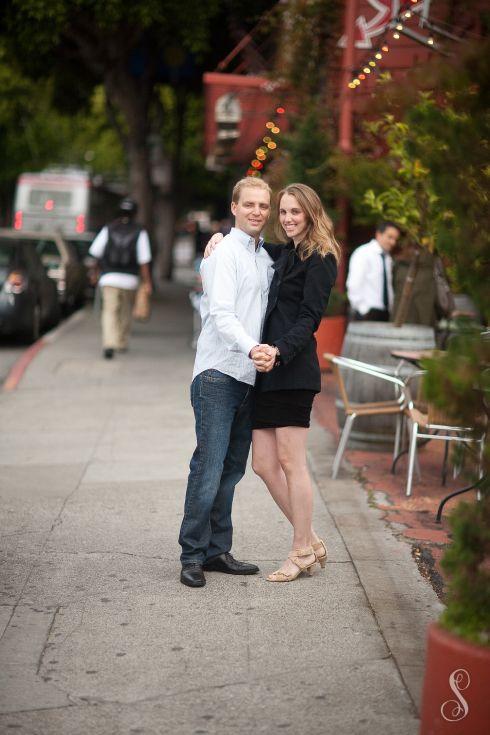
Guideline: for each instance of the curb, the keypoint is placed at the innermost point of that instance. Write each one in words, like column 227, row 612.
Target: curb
column 17, row 371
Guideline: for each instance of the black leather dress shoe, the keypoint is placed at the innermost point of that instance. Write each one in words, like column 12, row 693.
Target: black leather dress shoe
column 228, row 565
column 192, row 575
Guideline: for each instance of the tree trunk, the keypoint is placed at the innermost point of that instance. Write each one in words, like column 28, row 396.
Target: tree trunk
column 165, row 177
column 132, row 96
column 401, row 313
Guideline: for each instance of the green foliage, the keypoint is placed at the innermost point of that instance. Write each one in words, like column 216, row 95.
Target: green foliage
column 309, row 149
column 337, row 303
column 411, row 200
column 459, row 383
column 35, row 134
column 356, row 174
column 307, row 35
column 438, row 153
column 436, row 170
column 458, row 380
column 467, row 563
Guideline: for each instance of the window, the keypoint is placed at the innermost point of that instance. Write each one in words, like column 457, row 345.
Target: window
column 58, row 199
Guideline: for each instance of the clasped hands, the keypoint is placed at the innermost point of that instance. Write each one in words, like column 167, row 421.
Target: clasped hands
column 264, row 357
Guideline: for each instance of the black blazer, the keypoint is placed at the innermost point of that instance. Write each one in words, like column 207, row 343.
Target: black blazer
column 298, row 296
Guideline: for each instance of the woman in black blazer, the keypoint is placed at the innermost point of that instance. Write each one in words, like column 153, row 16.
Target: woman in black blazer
column 289, row 373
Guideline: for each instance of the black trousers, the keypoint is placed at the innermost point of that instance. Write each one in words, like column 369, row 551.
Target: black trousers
column 373, row 315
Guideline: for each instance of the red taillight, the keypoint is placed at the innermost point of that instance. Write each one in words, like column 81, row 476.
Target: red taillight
column 15, row 283
column 18, row 220
column 49, row 205
column 80, row 223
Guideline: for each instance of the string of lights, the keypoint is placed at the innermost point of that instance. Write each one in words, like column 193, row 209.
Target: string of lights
column 269, row 144
column 396, row 28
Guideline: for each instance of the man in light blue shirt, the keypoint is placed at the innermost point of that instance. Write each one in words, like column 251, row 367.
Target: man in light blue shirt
column 236, row 282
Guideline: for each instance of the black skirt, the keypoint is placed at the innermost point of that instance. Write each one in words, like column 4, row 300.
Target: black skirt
column 274, row 409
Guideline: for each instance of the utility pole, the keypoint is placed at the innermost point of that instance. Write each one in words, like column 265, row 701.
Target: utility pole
column 346, row 94
column 346, row 120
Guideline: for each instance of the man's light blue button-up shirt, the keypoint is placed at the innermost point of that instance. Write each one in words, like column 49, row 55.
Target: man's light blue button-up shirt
column 236, row 279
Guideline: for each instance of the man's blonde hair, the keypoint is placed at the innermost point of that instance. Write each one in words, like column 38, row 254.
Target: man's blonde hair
column 252, row 181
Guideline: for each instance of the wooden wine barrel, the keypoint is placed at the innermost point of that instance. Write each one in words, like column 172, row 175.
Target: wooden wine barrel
column 372, row 342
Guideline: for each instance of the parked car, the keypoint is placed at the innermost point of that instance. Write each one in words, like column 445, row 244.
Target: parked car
column 28, row 297
column 82, row 244
column 61, row 262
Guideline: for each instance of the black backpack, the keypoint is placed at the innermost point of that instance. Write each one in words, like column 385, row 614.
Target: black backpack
column 120, row 253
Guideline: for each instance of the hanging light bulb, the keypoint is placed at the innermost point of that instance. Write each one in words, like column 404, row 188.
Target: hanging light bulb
column 399, row 27
column 267, row 139
column 269, row 125
column 385, row 48
column 280, row 110
column 275, row 129
column 408, row 14
column 372, row 63
column 356, row 82
column 430, row 41
column 378, row 55
column 396, row 35
column 272, row 145
column 361, row 76
column 352, row 85
column 367, row 70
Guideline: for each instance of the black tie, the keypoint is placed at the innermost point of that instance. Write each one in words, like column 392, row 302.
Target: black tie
column 385, row 283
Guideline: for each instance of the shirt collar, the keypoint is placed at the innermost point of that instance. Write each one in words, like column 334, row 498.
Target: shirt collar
column 378, row 247
column 246, row 240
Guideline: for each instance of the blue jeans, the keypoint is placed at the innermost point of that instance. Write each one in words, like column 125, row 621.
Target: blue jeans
column 222, row 409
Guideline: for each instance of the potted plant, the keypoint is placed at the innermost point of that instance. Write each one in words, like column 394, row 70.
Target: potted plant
column 330, row 333
column 455, row 694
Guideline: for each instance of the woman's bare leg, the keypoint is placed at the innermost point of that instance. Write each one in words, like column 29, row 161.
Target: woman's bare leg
column 266, row 464
column 291, row 451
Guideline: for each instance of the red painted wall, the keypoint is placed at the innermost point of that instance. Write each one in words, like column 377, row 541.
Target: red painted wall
column 258, row 98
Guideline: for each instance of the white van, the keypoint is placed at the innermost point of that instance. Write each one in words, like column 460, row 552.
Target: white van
column 65, row 200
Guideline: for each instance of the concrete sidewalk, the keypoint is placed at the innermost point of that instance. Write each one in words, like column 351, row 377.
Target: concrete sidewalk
column 97, row 634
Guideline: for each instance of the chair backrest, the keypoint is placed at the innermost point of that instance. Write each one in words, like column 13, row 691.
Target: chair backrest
column 340, row 380
column 361, row 367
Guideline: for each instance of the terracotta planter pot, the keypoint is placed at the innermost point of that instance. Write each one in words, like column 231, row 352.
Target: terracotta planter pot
column 455, row 696
column 330, row 337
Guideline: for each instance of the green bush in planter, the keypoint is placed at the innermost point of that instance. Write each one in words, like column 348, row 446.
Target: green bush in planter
column 337, row 303
column 467, row 564
column 459, row 383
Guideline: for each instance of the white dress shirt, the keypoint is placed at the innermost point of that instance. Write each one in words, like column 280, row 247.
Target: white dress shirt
column 365, row 279
column 236, row 279
column 121, row 280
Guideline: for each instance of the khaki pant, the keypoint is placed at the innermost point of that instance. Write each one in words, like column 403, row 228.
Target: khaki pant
column 117, row 307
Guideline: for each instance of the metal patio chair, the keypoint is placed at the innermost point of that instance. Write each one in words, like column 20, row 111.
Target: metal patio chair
column 431, row 423
column 352, row 410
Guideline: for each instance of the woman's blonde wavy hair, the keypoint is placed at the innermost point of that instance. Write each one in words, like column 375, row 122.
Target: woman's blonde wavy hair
column 319, row 236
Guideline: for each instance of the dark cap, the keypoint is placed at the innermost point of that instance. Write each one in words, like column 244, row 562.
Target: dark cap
column 128, row 206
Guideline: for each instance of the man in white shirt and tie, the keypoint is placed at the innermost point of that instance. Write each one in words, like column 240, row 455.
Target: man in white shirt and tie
column 236, row 281
column 369, row 283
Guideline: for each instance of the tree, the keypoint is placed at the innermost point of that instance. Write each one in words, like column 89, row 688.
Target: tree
column 427, row 167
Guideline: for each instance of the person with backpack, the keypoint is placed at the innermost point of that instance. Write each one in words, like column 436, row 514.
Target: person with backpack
column 122, row 250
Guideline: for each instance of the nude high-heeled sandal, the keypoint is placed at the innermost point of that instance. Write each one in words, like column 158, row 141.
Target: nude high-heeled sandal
column 320, row 551
column 296, row 557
